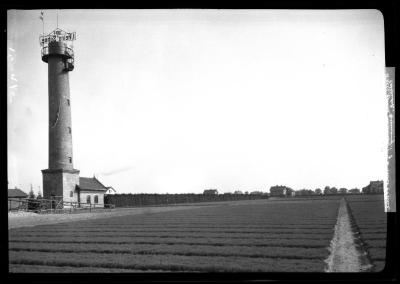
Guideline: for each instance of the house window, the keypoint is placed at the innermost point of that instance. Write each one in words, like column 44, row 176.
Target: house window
column 71, row 194
column 68, row 102
column 69, row 130
column 96, row 199
column 88, row 199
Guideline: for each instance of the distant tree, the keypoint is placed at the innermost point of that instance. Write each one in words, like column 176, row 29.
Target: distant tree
column 327, row 190
column 280, row 191
column 334, row 190
column 342, row 190
column 318, row 191
column 31, row 194
column 210, row 191
column 246, row 192
column 304, row 192
column 39, row 195
column 354, row 191
column 238, row 192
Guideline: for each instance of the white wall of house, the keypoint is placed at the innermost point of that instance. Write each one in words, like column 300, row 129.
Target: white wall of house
column 100, row 196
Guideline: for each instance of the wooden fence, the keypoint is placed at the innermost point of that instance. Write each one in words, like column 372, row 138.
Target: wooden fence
column 53, row 206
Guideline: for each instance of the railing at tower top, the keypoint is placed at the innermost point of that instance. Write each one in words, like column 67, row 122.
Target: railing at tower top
column 67, row 51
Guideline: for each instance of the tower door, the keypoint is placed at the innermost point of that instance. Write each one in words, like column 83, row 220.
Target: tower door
column 88, row 199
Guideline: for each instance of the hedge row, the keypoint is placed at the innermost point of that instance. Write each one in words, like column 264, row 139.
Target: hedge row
column 128, row 200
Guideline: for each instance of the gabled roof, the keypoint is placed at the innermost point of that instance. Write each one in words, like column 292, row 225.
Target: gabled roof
column 15, row 192
column 111, row 188
column 90, row 184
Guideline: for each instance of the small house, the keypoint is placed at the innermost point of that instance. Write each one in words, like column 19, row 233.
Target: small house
column 91, row 191
column 15, row 195
column 110, row 190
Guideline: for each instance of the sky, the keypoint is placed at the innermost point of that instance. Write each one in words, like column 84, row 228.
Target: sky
column 178, row 101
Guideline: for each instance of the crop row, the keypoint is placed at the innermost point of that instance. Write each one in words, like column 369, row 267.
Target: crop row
column 181, row 249
column 213, row 235
column 198, row 225
column 166, row 262
column 370, row 222
column 307, row 243
column 263, row 220
column 199, row 231
column 18, row 268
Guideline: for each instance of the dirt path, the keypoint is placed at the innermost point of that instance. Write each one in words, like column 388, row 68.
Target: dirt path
column 346, row 255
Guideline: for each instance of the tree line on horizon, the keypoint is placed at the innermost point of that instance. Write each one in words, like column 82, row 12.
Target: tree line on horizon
column 144, row 199
column 374, row 187
column 209, row 195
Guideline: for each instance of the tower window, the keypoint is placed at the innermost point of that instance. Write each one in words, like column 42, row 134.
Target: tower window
column 71, row 194
column 69, row 130
column 68, row 102
column 70, row 159
column 96, row 199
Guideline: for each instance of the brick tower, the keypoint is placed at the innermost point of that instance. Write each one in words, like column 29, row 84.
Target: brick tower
column 60, row 179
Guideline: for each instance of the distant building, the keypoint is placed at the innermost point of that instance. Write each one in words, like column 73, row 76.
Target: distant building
column 210, row 192
column 281, row 191
column 238, row 192
column 374, row 187
column 15, row 195
column 110, row 190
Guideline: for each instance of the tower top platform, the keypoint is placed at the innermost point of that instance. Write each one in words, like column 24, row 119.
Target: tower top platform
column 58, row 43
column 57, row 48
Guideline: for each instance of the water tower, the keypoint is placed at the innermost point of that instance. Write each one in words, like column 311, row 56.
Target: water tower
column 60, row 179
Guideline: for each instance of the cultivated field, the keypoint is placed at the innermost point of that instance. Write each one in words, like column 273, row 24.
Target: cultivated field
column 288, row 235
column 370, row 224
